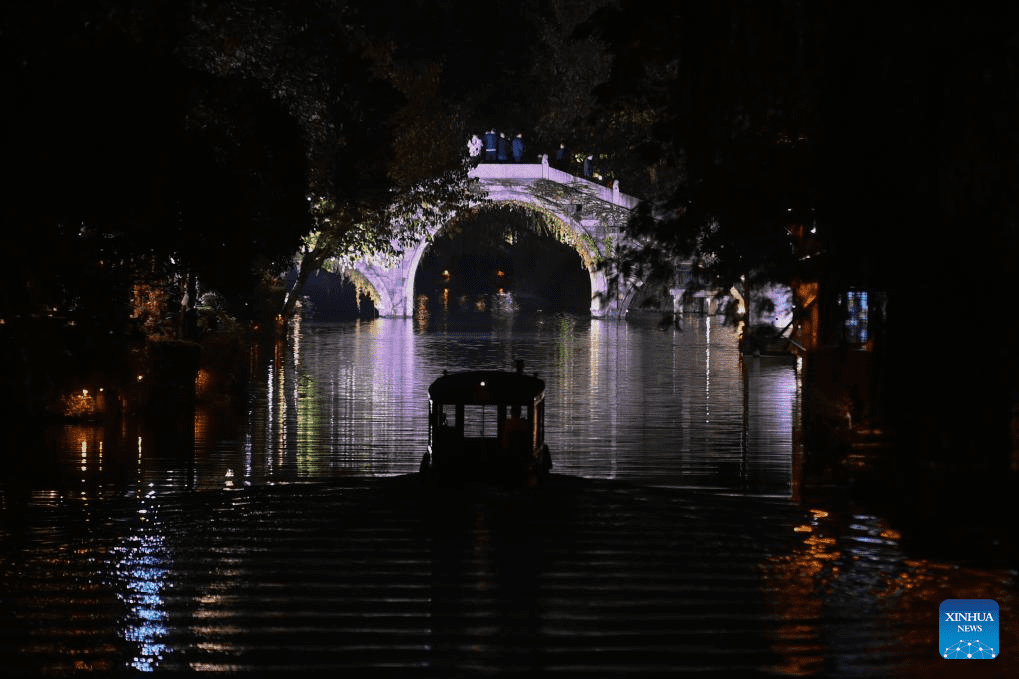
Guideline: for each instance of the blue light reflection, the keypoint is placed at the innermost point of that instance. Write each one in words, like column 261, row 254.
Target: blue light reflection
column 142, row 567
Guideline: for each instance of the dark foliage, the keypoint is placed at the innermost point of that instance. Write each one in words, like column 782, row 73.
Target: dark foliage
column 888, row 129
column 132, row 164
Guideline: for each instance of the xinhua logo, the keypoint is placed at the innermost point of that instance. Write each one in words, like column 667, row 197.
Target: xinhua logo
column 968, row 629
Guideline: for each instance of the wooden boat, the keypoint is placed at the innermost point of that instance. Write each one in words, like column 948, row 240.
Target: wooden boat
column 487, row 425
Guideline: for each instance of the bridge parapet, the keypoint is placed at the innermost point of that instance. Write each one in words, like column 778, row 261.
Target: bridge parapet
column 504, row 171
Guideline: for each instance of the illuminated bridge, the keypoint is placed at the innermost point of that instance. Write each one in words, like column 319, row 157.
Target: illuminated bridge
column 586, row 216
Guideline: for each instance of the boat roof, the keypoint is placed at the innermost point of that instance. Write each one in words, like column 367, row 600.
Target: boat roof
column 486, row 386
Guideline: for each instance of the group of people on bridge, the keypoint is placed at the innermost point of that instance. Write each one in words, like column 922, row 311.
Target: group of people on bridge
column 496, row 147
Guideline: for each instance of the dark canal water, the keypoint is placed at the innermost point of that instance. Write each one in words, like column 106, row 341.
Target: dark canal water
column 291, row 534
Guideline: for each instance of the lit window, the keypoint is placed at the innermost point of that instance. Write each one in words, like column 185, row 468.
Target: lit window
column 856, row 316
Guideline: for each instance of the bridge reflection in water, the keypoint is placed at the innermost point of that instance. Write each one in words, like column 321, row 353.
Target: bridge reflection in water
column 624, row 401
column 668, row 543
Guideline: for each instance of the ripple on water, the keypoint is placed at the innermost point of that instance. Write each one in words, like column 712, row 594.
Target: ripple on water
column 290, row 539
column 388, row 574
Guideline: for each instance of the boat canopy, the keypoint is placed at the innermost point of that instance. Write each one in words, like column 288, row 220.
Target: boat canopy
column 486, row 387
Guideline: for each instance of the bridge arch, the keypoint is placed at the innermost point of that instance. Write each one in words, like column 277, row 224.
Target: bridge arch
column 556, row 227
column 364, row 285
column 584, row 215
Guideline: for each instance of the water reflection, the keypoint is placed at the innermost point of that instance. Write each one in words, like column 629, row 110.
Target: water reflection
column 625, row 401
column 152, row 576
column 847, row 597
column 141, row 563
column 677, row 408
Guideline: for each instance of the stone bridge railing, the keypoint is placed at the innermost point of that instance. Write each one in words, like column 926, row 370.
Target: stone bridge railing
column 510, row 171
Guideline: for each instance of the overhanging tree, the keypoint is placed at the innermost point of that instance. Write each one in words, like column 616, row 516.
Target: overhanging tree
column 710, row 113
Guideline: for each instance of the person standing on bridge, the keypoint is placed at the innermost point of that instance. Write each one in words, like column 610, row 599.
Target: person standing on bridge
column 490, row 145
column 474, row 146
column 518, row 148
column 560, row 157
column 504, row 148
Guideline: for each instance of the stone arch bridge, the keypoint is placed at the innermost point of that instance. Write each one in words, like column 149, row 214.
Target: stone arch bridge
column 587, row 216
